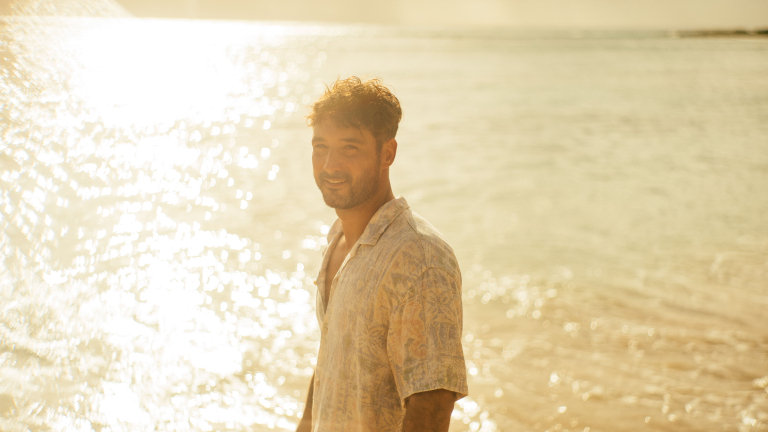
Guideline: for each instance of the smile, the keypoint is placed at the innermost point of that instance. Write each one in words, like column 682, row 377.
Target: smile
column 334, row 181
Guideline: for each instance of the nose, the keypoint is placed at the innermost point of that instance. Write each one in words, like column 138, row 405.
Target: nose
column 332, row 162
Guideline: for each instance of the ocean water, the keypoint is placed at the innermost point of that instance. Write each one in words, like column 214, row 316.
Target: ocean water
column 605, row 194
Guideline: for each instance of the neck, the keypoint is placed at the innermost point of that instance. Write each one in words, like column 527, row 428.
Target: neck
column 355, row 219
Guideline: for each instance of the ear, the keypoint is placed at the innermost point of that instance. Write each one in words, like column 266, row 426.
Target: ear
column 388, row 153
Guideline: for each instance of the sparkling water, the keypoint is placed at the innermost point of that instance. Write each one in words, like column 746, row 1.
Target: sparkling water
column 161, row 230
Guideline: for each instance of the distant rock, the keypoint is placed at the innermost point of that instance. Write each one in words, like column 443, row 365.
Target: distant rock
column 723, row 33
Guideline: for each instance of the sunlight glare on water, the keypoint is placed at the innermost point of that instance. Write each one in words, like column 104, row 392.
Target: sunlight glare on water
column 129, row 264
column 141, row 73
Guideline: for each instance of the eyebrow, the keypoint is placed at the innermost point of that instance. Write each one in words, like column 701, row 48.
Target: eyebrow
column 316, row 139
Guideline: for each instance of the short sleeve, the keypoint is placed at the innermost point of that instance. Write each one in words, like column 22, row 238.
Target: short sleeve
column 424, row 339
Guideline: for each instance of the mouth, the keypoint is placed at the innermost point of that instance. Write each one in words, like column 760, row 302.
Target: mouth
column 333, row 183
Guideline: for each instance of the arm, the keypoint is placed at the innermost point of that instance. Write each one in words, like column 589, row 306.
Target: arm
column 305, row 425
column 429, row 411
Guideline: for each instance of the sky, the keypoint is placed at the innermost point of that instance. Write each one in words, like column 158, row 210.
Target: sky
column 520, row 14
column 611, row 14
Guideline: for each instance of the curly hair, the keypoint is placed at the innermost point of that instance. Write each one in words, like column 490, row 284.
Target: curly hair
column 362, row 105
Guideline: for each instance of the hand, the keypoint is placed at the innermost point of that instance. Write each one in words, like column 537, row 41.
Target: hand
column 429, row 411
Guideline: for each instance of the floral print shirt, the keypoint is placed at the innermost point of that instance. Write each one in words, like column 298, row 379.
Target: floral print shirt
column 392, row 326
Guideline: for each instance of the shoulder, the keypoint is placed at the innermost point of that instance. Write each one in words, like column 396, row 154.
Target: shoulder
column 412, row 238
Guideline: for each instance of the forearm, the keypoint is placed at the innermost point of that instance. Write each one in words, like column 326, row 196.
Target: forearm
column 429, row 411
column 305, row 425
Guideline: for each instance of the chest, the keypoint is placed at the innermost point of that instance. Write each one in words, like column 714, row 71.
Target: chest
column 357, row 307
column 338, row 255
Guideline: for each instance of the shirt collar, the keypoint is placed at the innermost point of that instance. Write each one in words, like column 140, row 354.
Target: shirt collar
column 379, row 223
column 382, row 219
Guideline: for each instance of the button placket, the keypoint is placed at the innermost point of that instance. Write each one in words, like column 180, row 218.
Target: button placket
column 334, row 283
column 338, row 276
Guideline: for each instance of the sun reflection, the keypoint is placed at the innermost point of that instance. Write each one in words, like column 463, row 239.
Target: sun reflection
column 141, row 73
column 117, row 214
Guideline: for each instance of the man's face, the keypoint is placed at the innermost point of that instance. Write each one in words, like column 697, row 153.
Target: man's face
column 346, row 165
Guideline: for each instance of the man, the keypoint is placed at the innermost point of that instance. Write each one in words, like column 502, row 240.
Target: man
column 389, row 288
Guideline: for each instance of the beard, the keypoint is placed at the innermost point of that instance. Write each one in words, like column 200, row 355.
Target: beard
column 356, row 192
